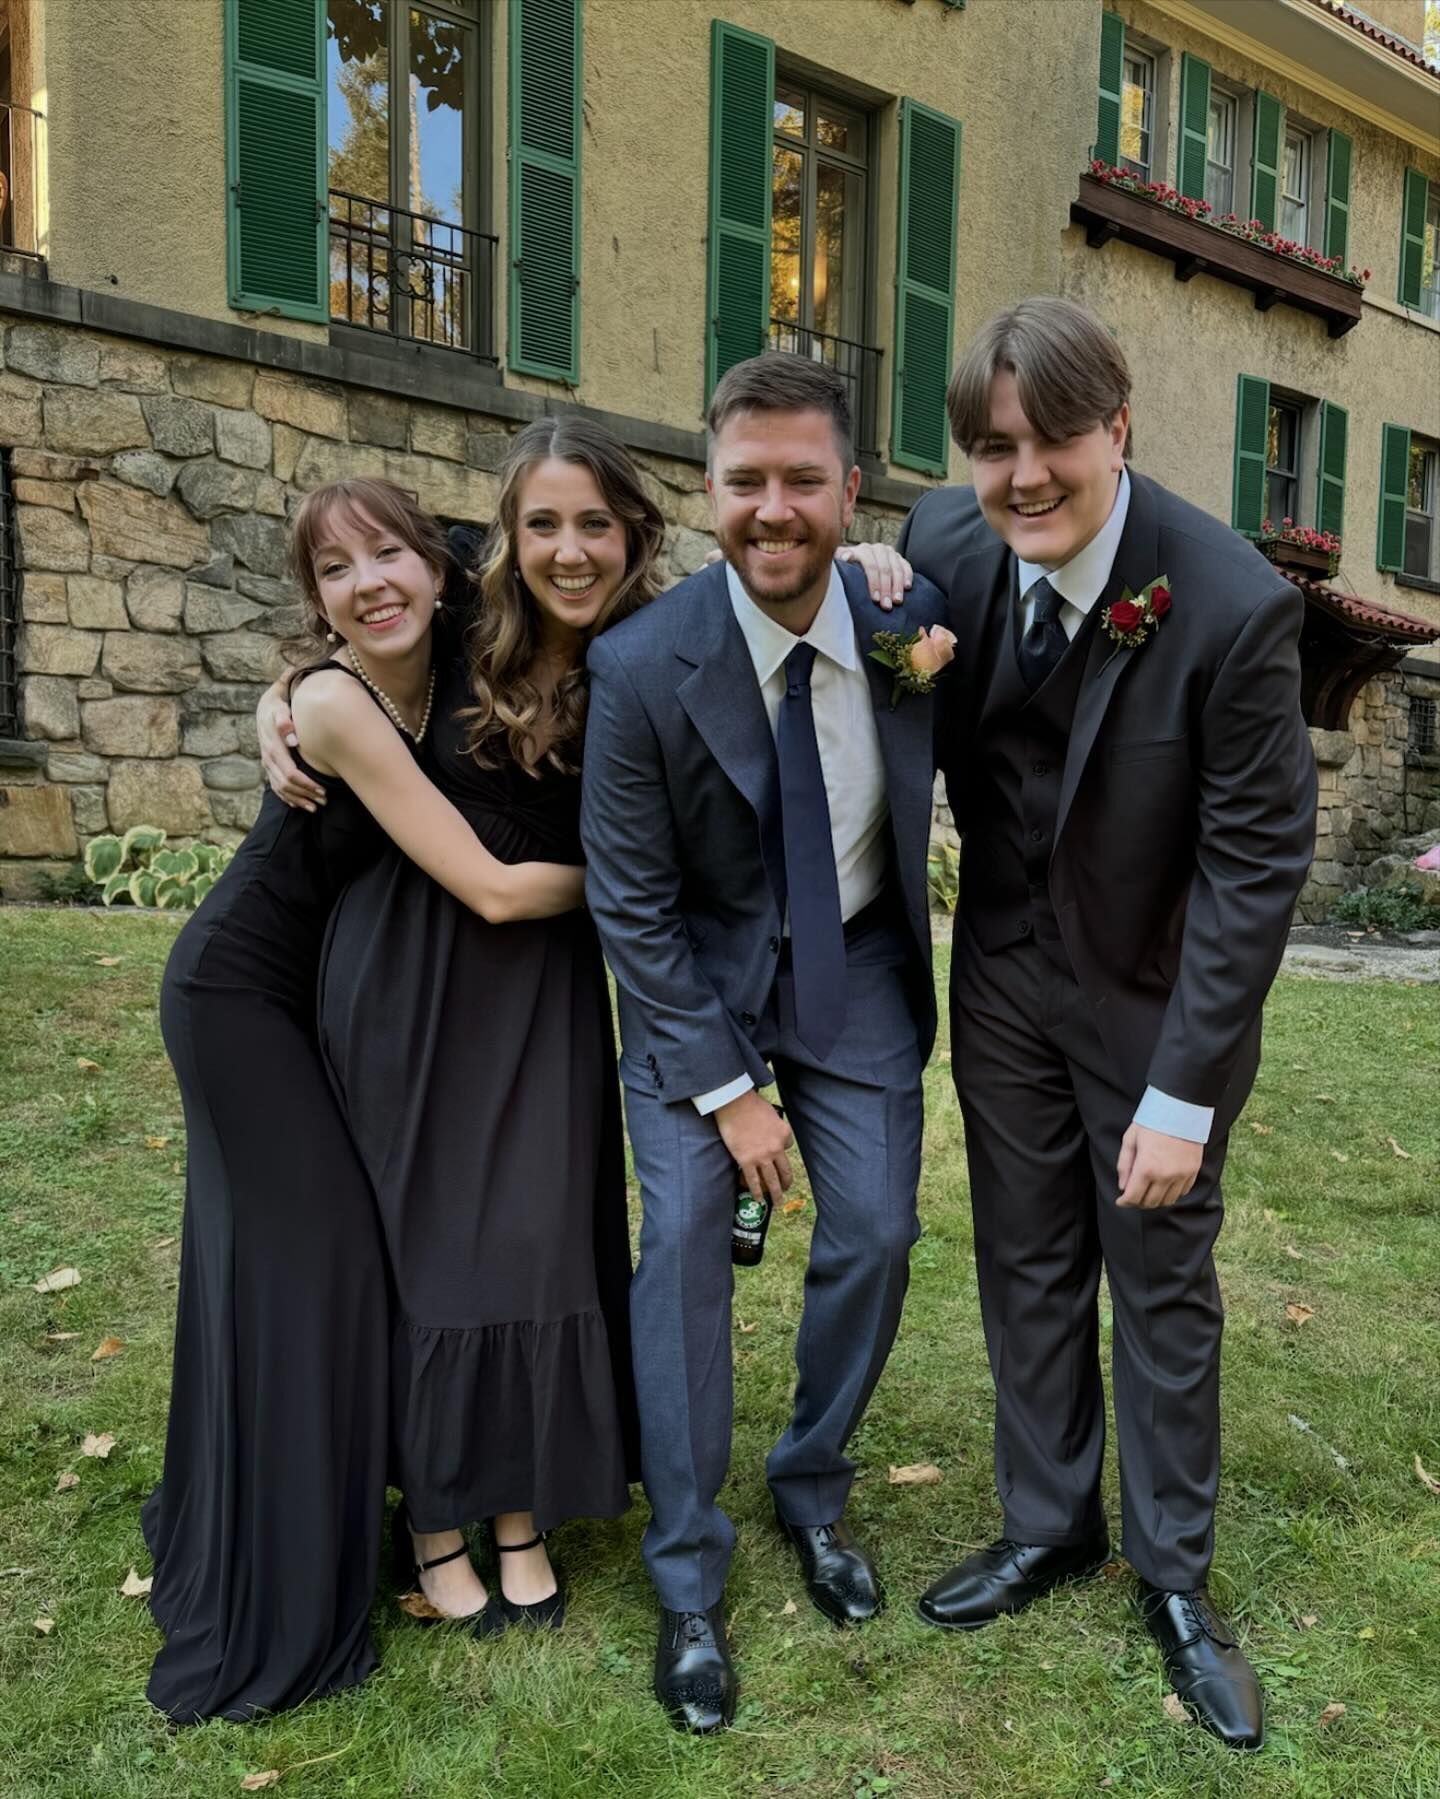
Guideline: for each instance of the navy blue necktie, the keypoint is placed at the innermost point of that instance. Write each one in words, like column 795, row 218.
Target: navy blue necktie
column 1045, row 642
column 817, row 932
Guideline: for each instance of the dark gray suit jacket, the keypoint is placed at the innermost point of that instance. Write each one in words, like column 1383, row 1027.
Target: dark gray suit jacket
column 680, row 816
column 1187, row 808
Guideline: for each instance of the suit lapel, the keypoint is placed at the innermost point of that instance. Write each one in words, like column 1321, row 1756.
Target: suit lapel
column 1107, row 663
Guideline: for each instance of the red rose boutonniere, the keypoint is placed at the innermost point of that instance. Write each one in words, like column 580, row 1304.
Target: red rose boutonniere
column 1135, row 615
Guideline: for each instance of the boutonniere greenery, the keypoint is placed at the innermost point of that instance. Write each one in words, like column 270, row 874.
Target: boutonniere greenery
column 1135, row 615
column 915, row 659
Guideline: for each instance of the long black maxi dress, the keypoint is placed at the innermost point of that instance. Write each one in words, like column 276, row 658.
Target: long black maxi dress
column 266, row 1526
column 476, row 1065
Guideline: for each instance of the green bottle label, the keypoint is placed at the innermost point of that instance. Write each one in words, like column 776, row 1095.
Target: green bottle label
column 749, row 1212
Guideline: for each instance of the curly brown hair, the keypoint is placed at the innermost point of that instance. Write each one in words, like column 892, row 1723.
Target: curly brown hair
column 505, row 636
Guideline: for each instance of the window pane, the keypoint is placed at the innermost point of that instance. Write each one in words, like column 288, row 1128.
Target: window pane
column 1420, row 488
column 1280, row 499
column 835, row 130
column 439, row 52
column 1220, row 140
column 785, row 248
column 1135, row 110
column 790, row 111
column 1418, row 530
column 358, row 74
column 1283, row 439
column 1430, row 257
column 839, row 227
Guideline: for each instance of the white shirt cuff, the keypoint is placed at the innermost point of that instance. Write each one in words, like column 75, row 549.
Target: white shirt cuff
column 706, row 1103
column 1157, row 1111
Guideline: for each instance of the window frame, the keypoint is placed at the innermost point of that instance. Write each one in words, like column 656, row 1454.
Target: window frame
column 1429, row 451
column 1150, row 59
column 1430, row 228
column 811, row 152
column 1306, row 200
column 1300, row 408
column 1220, row 91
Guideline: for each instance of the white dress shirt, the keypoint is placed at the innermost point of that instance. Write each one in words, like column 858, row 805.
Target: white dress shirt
column 848, row 741
column 1080, row 583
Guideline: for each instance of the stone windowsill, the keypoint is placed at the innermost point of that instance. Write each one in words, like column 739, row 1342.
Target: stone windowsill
column 1421, row 583
column 1398, row 310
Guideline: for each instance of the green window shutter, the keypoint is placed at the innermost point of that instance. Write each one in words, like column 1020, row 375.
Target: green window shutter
column 1394, row 480
column 742, row 98
column 277, row 203
column 1112, row 81
column 1194, row 125
column 1252, row 431
column 1412, row 237
column 545, row 87
column 925, row 286
column 1265, row 159
column 1337, row 196
column 1330, row 476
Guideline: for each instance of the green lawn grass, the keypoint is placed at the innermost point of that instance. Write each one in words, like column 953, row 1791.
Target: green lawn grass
column 1329, row 1544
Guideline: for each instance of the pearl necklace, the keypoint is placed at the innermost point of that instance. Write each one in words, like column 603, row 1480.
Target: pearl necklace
column 389, row 705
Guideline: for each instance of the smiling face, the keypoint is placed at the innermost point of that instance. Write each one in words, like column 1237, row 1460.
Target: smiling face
column 1047, row 500
column 570, row 548
column 783, row 499
column 373, row 588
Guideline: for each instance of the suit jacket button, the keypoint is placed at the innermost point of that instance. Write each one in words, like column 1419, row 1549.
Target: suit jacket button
column 774, row 946
column 747, row 1018
column 1042, row 768
column 1024, row 927
column 1037, row 837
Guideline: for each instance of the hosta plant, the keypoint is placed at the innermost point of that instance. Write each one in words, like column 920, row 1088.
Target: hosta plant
column 139, row 868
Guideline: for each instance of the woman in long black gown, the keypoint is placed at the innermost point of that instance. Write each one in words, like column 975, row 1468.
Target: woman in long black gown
column 265, row 1528
column 477, row 1067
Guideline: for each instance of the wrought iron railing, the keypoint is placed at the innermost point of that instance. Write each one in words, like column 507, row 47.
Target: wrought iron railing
column 9, row 607
column 857, row 364
column 410, row 275
column 19, row 180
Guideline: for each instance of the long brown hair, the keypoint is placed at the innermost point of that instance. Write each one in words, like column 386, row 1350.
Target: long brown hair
column 505, row 637
column 391, row 507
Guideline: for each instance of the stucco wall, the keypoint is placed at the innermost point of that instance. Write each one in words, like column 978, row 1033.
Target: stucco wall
column 1404, row 17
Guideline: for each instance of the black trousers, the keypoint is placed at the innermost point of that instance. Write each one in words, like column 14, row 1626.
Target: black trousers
column 1044, row 1116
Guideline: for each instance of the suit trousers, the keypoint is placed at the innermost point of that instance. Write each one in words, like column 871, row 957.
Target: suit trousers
column 1044, row 1117
column 857, row 1120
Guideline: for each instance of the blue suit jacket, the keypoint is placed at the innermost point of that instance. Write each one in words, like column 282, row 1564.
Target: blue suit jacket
column 680, row 819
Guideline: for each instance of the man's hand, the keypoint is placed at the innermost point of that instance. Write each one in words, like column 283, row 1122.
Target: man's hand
column 887, row 571
column 757, row 1138
column 1156, row 1170
column 276, row 730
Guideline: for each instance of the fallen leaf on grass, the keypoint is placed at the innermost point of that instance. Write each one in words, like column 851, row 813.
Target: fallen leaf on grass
column 86, row 1066
column 1299, row 1315
column 1367, row 1635
column 1404, row 1154
column 1262, row 1130
column 793, row 1205
column 1113, row 1570
column 61, row 1336
column 156, row 1142
column 107, row 961
column 98, row 1446
column 416, row 1605
column 1339, row 1155
column 164, row 1242
column 43, row 1626
column 915, row 1474
column 133, row 1587
column 256, row 1783
column 58, row 1280
column 1175, row 1709
column 108, row 1346
column 789, row 1608
column 1326, row 1099
column 746, row 1329
column 65, row 1481
column 1331, row 1712
column 1309, row 1621
column 1293, row 1253
column 1427, row 1480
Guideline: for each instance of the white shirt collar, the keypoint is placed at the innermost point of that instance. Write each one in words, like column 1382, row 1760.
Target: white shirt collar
column 832, row 633
column 1082, row 579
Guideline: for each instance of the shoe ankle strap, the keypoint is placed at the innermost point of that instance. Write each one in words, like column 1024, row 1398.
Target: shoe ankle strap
column 440, row 1560
column 515, row 1548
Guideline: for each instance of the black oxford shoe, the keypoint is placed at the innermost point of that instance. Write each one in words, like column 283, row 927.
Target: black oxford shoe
column 1210, row 1676
column 839, row 1577
column 694, row 1676
column 1005, row 1578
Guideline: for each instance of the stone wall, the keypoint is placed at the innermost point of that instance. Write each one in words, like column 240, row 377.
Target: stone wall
column 151, row 495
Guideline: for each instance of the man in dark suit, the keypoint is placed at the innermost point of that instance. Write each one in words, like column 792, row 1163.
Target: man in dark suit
column 756, row 818
column 1126, row 760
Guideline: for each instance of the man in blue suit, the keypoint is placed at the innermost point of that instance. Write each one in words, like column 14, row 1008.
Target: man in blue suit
column 756, row 820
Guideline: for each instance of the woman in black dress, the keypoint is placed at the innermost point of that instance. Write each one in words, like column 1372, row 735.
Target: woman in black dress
column 265, row 1528
column 476, row 1066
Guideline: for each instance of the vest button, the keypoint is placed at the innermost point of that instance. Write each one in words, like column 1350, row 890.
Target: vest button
column 1024, row 927
column 1037, row 837
column 747, row 1018
column 1042, row 768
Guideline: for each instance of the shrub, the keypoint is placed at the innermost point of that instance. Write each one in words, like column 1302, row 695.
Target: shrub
column 1386, row 909
column 139, row 868
column 942, row 873
column 73, row 887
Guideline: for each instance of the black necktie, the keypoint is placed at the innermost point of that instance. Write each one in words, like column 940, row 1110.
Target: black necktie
column 817, row 933
column 1045, row 642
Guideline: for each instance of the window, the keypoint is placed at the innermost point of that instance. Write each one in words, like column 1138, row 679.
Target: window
column 1295, row 175
column 404, row 142
column 1220, row 139
column 1430, row 255
column 819, row 228
column 1137, row 113
column 1423, row 738
column 1421, row 534
column 1282, row 463
column 9, row 608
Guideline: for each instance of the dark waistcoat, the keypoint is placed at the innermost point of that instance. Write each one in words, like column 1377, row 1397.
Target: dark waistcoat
column 1022, row 741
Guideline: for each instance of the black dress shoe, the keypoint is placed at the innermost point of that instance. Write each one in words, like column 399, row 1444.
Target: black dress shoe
column 694, row 1676
column 1005, row 1578
column 839, row 1577
column 1209, row 1674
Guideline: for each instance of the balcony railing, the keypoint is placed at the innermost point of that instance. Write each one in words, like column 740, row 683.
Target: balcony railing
column 408, row 275
column 20, row 128
column 857, row 365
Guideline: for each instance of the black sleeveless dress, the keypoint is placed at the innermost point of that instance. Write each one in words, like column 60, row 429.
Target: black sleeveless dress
column 266, row 1525
column 476, row 1066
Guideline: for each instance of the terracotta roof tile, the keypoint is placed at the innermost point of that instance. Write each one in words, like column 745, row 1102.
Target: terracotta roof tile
column 1402, row 627
column 1379, row 34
